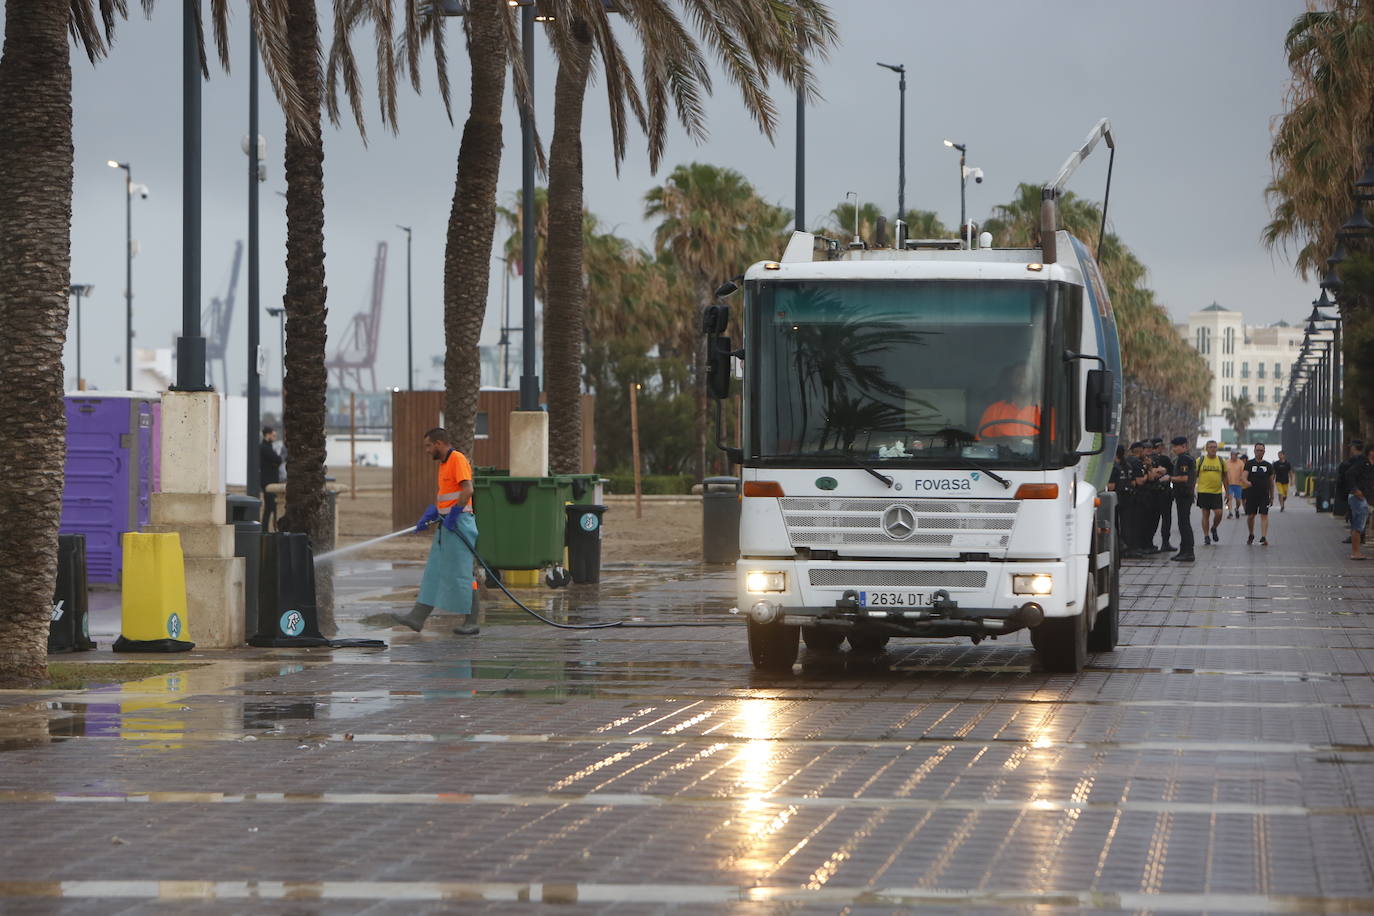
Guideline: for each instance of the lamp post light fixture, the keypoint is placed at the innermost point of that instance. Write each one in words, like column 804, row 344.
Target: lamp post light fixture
column 900, row 70
column 410, row 326
column 78, row 290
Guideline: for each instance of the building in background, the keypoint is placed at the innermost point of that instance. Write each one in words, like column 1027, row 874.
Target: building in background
column 1246, row 362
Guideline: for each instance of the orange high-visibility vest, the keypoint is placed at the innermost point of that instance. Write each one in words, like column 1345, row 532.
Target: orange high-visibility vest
column 453, row 470
column 1005, row 410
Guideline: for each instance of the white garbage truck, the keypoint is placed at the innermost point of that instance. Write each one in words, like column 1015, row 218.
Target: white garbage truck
column 928, row 431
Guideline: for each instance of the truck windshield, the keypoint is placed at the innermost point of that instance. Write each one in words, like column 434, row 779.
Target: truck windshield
column 899, row 371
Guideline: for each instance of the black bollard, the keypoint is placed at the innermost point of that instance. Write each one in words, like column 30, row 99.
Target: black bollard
column 70, row 627
column 287, row 615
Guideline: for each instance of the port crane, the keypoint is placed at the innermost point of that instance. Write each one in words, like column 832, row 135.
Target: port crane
column 221, row 319
column 357, row 350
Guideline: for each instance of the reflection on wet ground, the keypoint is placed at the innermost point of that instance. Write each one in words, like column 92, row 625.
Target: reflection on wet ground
column 1217, row 762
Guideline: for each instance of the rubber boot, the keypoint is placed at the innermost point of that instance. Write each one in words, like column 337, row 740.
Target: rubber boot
column 416, row 618
column 468, row 627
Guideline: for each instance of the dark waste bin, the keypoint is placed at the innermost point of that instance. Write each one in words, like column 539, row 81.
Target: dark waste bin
column 1324, row 492
column 243, row 513
column 69, row 630
column 720, row 520
column 582, row 534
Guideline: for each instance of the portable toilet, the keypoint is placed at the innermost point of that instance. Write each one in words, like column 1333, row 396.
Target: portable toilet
column 109, row 474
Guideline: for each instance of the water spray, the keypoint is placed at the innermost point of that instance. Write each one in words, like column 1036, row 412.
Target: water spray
column 331, row 555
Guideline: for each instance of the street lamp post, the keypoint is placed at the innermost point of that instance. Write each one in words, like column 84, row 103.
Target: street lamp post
column 900, row 70
column 78, row 290
column 255, row 175
column 963, row 183
column 410, row 342
column 191, row 344
column 801, row 160
column 529, row 381
column 504, row 342
column 128, row 271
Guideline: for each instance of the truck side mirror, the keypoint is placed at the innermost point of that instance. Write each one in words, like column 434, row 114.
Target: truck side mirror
column 719, row 352
column 1097, row 401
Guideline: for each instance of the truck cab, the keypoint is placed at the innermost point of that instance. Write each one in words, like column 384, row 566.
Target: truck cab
column 927, row 438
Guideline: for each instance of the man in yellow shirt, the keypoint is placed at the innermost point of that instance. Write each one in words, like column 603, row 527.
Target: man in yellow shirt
column 447, row 582
column 1211, row 479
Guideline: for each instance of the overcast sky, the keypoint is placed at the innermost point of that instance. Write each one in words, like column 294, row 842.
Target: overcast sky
column 1191, row 88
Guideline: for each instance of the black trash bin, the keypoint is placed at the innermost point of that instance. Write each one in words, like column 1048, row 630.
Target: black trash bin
column 70, row 627
column 1325, row 492
column 720, row 520
column 243, row 513
column 582, row 534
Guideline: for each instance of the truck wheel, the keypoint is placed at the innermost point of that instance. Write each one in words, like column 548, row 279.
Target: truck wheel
column 1063, row 641
column 867, row 642
column 1105, row 632
column 772, row 646
column 822, row 639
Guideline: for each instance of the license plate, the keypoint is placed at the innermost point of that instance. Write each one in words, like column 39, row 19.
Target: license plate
column 894, row 599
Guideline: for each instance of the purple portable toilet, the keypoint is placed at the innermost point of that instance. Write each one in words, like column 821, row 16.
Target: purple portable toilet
column 109, row 474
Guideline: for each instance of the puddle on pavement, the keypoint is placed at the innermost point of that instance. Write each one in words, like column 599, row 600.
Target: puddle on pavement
column 658, row 895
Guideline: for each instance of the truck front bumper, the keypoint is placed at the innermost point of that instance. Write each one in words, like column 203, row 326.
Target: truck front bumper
column 952, row 598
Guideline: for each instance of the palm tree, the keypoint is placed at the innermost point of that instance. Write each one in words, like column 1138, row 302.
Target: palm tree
column 924, row 224
column 1239, row 412
column 713, row 225
column 841, row 223
column 35, row 256
column 306, row 380
column 753, row 38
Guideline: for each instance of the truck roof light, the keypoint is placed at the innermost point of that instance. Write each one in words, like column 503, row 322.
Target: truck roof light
column 772, row 265
column 1038, row 491
column 1035, row 267
column 762, row 488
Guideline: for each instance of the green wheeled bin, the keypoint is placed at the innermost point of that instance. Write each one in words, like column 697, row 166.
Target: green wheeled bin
column 520, row 521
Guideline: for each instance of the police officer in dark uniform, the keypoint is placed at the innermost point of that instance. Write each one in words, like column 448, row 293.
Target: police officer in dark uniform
column 1161, row 494
column 1139, row 519
column 1120, row 483
column 1183, row 479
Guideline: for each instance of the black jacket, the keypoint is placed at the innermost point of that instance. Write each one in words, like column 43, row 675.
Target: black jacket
column 269, row 463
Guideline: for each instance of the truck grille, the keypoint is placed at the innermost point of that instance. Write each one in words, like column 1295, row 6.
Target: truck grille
column 898, row 578
column 971, row 524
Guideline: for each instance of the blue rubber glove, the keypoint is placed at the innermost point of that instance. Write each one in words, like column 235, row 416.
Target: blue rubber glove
column 451, row 520
column 430, row 517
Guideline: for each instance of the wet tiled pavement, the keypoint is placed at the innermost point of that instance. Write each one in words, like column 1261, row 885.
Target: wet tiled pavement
column 1219, row 761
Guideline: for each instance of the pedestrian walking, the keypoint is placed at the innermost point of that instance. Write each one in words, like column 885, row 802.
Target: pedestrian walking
column 1283, row 472
column 447, row 583
column 1161, row 494
column 1358, row 477
column 1182, row 482
column 1342, row 489
column 1258, row 485
column 1235, row 476
column 1211, row 481
column 269, row 471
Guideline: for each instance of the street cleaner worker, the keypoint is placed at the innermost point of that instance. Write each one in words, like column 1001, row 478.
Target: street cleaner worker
column 447, row 583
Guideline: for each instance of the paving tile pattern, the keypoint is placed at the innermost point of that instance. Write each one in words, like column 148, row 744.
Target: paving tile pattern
column 1221, row 760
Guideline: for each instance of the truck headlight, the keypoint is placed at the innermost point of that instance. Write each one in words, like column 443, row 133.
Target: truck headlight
column 760, row 583
column 1036, row 584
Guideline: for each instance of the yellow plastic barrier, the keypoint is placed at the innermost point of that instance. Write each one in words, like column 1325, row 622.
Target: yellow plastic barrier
column 153, row 605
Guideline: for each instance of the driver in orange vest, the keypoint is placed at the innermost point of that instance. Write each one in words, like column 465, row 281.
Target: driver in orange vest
column 1014, row 416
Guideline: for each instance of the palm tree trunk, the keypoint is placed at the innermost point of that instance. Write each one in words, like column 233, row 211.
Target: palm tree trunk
column 303, row 395
column 35, row 258
column 472, row 223
column 567, row 294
